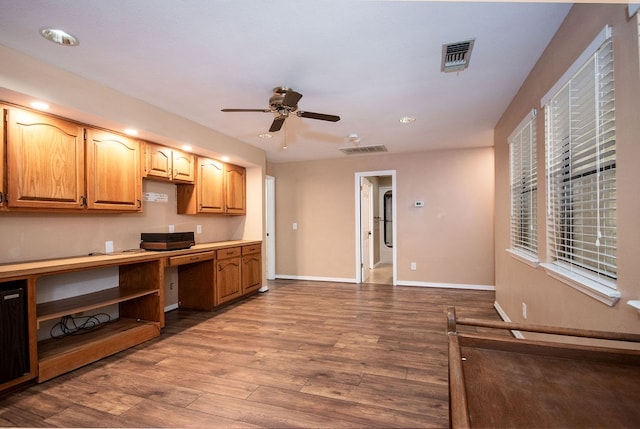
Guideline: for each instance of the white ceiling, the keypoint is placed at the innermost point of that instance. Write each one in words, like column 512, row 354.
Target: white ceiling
column 370, row 62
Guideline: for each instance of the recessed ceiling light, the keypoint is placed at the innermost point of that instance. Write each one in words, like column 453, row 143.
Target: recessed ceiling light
column 59, row 36
column 187, row 147
column 407, row 119
column 265, row 136
column 40, row 105
column 131, row 132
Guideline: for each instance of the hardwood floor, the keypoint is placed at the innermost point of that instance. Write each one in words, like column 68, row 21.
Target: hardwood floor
column 304, row 354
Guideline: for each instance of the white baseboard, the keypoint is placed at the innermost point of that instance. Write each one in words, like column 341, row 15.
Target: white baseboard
column 317, row 279
column 446, row 285
column 505, row 317
column 171, row 307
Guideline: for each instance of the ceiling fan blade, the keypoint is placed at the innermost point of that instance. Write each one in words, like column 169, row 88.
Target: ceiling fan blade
column 321, row 116
column 277, row 124
column 291, row 98
column 245, row 110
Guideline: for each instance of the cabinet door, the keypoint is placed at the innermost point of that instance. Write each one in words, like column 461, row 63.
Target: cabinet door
column 209, row 186
column 227, row 282
column 3, row 185
column 183, row 167
column 113, row 172
column 45, row 161
column 251, row 273
column 235, row 190
column 158, row 161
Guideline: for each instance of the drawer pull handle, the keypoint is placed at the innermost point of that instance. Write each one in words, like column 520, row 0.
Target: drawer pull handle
column 194, row 258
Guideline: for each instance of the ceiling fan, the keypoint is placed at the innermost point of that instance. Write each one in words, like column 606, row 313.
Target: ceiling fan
column 283, row 102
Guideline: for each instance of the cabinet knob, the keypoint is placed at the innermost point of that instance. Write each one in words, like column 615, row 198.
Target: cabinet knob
column 139, row 203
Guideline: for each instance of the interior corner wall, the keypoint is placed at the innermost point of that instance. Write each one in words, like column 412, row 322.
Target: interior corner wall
column 548, row 301
column 450, row 239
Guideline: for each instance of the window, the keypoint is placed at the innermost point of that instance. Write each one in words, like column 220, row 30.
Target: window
column 581, row 173
column 524, row 186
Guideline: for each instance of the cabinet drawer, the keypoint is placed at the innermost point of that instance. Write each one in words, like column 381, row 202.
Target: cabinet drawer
column 228, row 253
column 174, row 261
column 251, row 249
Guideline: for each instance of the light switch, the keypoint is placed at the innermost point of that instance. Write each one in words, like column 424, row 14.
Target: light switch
column 295, row 225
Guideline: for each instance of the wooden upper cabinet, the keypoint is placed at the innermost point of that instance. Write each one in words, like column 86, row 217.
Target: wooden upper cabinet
column 157, row 161
column 45, row 161
column 210, row 186
column 219, row 189
column 114, row 181
column 165, row 163
column 183, row 167
column 235, row 189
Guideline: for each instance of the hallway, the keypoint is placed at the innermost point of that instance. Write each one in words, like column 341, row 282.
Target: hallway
column 381, row 274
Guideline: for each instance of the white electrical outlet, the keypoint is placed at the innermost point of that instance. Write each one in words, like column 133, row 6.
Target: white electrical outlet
column 198, row 229
column 295, row 225
column 172, row 228
column 108, row 247
column 524, row 310
column 413, row 266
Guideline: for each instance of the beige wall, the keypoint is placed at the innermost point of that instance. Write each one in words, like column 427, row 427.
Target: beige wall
column 450, row 239
column 549, row 301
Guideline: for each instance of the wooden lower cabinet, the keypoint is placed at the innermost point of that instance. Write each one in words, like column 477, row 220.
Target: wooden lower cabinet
column 228, row 274
column 251, row 268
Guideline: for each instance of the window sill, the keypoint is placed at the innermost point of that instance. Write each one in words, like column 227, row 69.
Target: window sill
column 523, row 257
column 587, row 286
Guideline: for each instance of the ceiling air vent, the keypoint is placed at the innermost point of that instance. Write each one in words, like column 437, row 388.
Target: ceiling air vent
column 455, row 56
column 358, row 150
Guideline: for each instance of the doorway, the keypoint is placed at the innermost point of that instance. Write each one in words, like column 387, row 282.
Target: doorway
column 375, row 230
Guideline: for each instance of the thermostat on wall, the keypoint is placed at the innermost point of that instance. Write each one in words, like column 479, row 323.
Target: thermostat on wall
column 419, row 204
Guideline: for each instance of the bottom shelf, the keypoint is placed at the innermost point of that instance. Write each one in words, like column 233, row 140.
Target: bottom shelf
column 58, row 356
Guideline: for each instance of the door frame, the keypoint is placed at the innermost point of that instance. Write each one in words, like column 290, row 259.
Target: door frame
column 358, row 226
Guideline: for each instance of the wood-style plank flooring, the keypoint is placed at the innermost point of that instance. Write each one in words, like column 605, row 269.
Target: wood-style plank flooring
column 304, row 354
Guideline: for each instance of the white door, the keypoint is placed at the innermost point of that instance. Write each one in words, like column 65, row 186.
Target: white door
column 366, row 191
column 270, row 199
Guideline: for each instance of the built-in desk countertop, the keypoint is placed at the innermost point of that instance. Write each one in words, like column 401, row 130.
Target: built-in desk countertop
column 98, row 260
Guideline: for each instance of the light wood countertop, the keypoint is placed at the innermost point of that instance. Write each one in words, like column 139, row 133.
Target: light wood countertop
column 53, row 266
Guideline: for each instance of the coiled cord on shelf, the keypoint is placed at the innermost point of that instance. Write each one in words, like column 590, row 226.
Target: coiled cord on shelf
column 76, row 325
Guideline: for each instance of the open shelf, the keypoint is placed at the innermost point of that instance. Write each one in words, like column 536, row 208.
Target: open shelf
column 55, row 309
column 57, row 356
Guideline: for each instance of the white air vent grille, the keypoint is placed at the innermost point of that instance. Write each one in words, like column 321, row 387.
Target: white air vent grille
column 455, row 56
column 357, row 150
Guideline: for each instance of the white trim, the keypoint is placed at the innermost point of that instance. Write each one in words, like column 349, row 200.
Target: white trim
column 446, row 285
column 523, row 257
column 316, row 279
column 171, row 307
column 503, row 315
column 532, row 114
column 635, row 304
column 633, row 8
column 358, row 175
column 578, row 63
column 583, row 284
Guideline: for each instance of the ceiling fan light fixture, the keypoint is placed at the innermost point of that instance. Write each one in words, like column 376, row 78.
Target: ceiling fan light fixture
column 59, row 37
column 407, row 119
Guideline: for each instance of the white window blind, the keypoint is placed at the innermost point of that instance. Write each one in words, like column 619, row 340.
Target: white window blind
column 581, row 170
column 524, row 186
